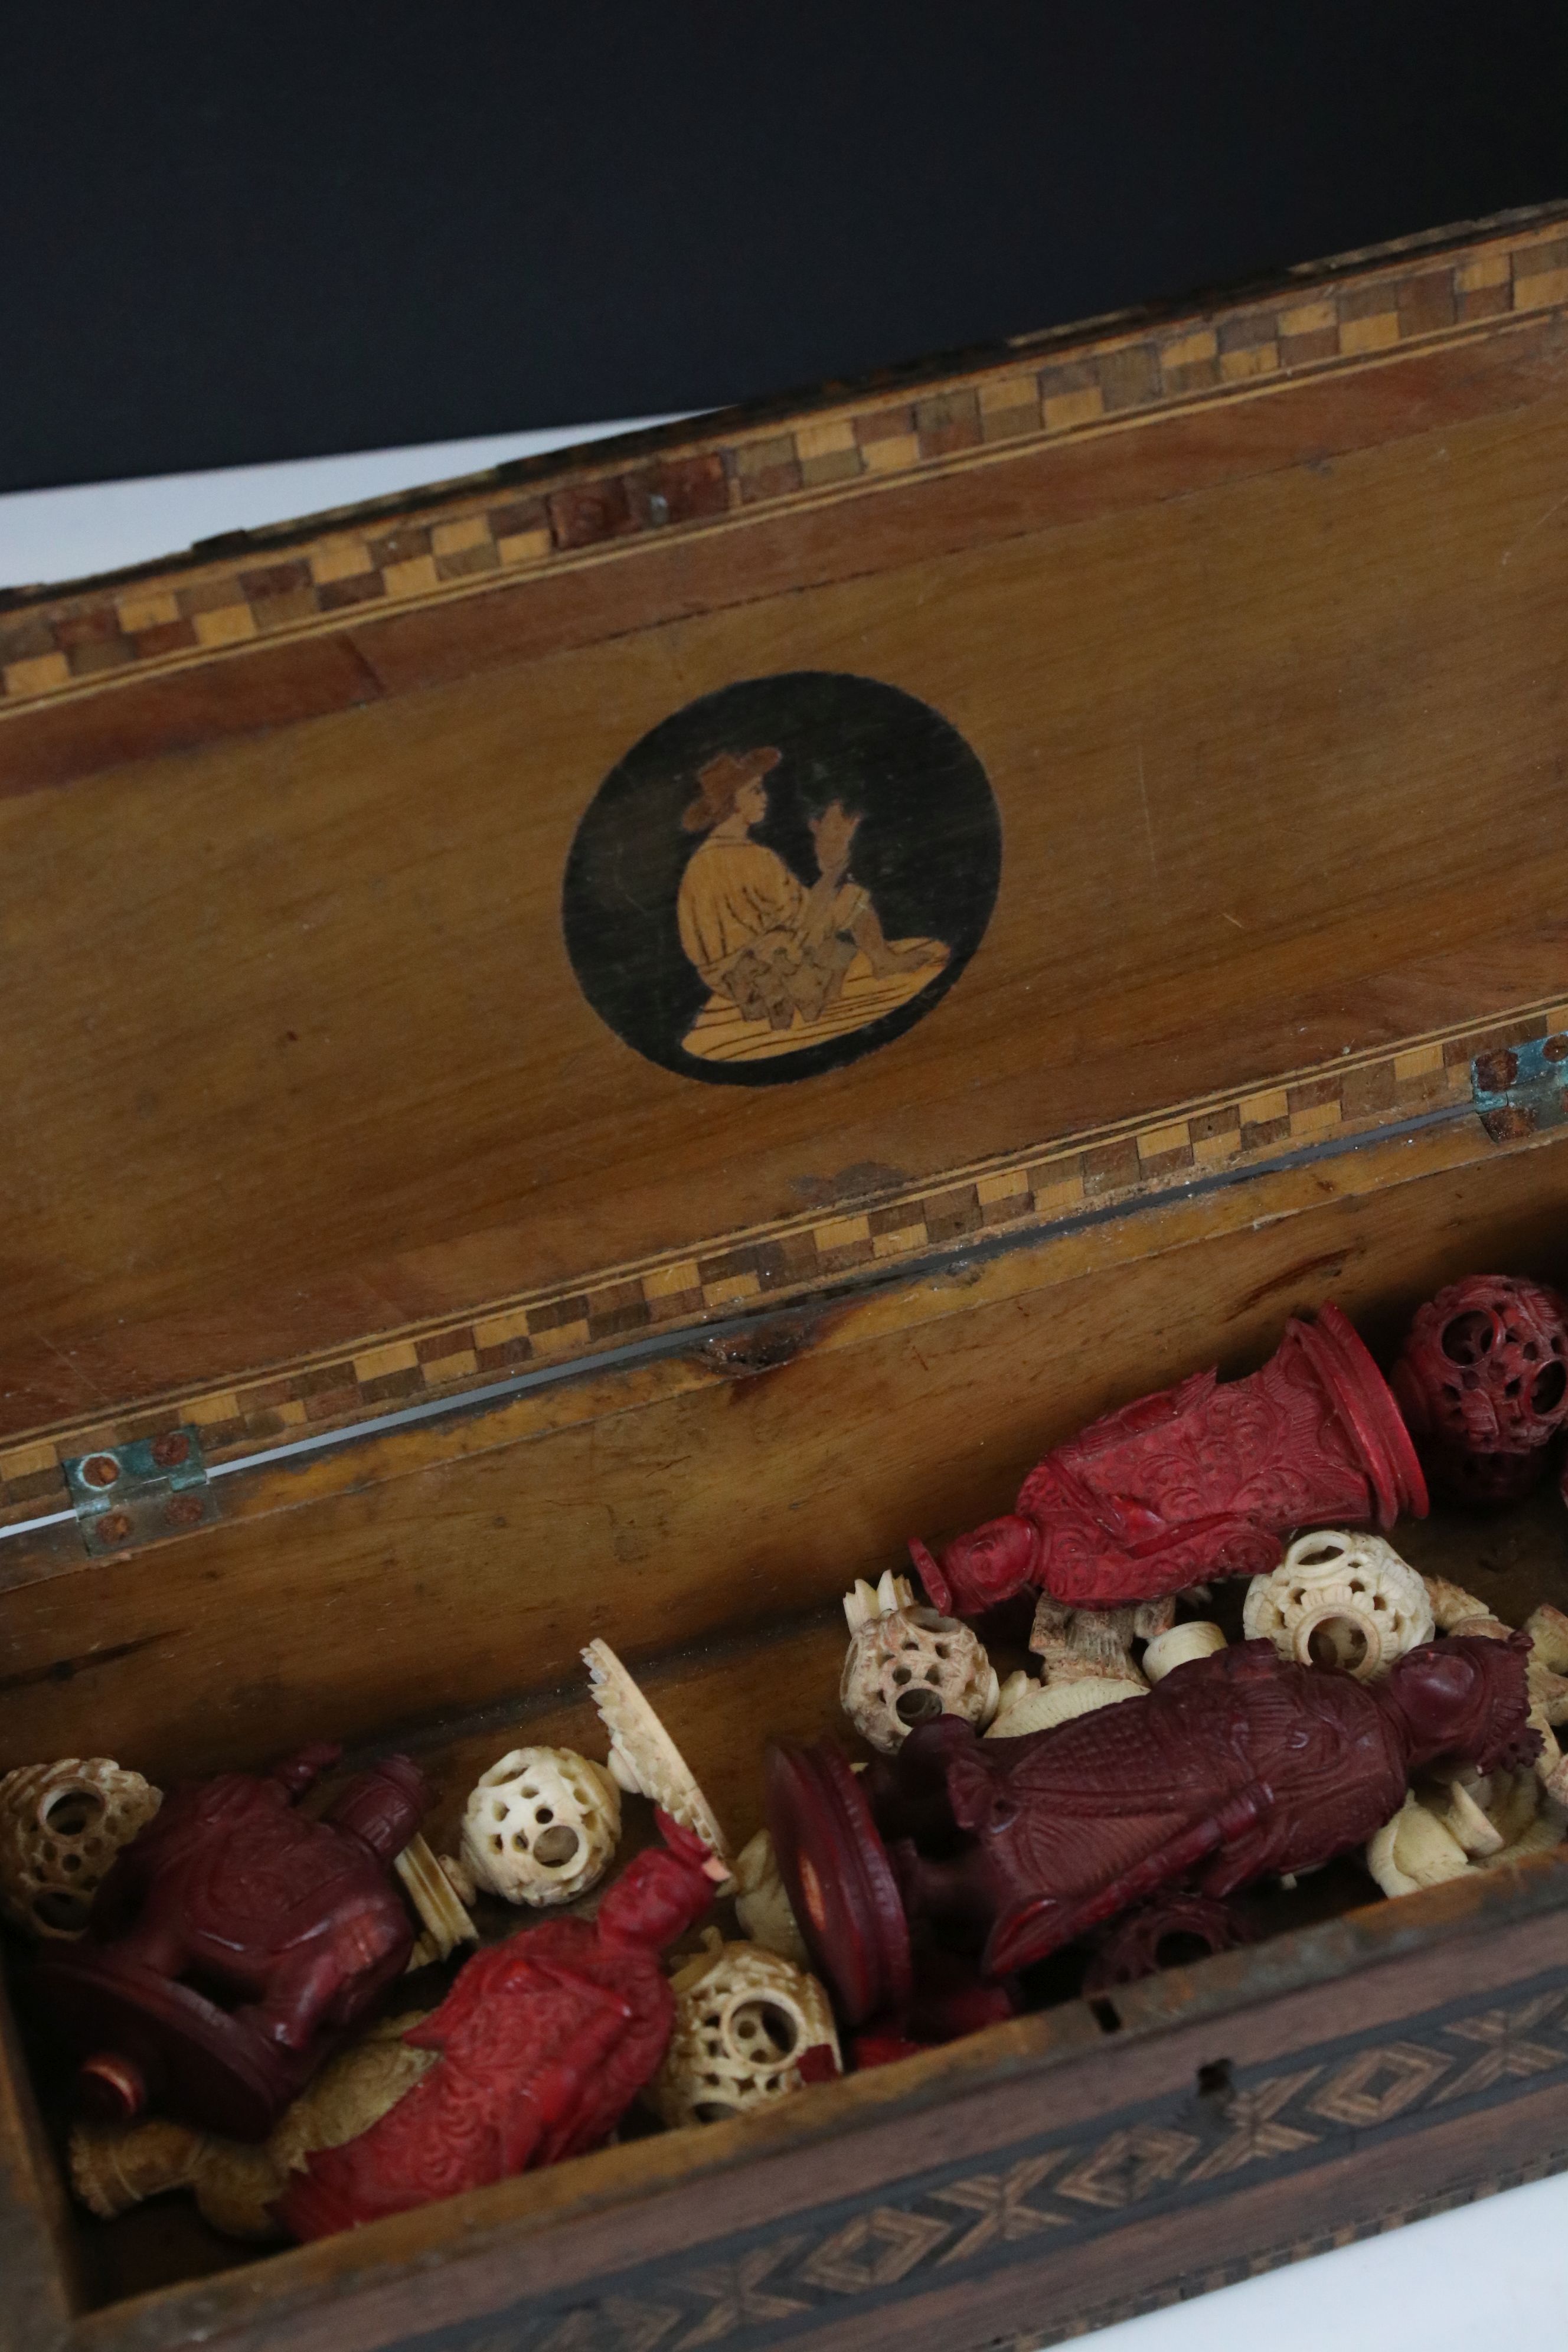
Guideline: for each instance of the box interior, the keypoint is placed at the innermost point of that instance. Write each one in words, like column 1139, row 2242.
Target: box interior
column 450, row 1623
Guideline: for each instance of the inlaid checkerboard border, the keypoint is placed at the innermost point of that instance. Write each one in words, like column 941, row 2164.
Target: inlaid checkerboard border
column 832, row 1251
column 522, row 521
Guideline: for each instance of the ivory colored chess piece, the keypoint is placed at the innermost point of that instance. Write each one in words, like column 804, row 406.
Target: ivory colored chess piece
column 542, row 1826
column 61, row 1826
column 750, row 2028
column 116, row 2165
column 908, row 1665
column 1339, row 1599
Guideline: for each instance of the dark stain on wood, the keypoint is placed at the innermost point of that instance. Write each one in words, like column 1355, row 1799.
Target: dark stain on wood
column 1329, row 1265
column 66, row 1669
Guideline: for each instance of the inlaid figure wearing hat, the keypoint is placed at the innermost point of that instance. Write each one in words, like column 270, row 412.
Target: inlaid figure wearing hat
column 778, row 951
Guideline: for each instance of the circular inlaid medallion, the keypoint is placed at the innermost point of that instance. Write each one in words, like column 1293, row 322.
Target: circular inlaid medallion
column 781, row 877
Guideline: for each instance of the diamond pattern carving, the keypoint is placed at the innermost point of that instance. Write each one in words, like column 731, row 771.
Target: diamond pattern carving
column 875, row 2250
column 1379, row 2085
column 1256, row 2131
column 1127, row 2166
column 1058, row 2189
column 1001, row 2201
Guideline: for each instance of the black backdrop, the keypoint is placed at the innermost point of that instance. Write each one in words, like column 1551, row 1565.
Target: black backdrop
column 256, row 231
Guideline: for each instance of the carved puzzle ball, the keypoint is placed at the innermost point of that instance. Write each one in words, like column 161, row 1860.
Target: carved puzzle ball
column 542, row 1826
column 750, row 2028
column 1340, row 1598
column 1485, row 1367
column 909, row 1665
column 61, row 1826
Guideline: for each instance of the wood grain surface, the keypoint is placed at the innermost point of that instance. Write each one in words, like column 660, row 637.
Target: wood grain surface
column 453, row 1566
column 1267, row 676
column 808, row 2197
column 1273, row 731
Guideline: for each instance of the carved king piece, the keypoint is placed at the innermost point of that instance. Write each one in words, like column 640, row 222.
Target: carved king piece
column 1236, row 1764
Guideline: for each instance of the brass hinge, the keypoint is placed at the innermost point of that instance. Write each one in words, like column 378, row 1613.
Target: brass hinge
column 126, row 1494
column 1519, row 1090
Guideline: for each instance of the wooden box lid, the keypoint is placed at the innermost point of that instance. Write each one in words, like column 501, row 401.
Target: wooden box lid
column 404, row 991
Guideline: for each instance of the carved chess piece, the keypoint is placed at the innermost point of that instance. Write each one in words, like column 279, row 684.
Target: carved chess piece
column 1200, row 1480
column 751, row 2028
column 544, row 2042
column 115, row 2167
column 1236, row 1766
column 907, row 1665
column 61, row 1826
column 231, row 1886
column 1482, row 1381
column 1171, row 1929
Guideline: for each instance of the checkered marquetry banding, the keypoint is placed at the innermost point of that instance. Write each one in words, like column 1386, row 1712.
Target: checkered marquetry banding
column 1025, row 1197
column 779, row 2281
column 1044, row 387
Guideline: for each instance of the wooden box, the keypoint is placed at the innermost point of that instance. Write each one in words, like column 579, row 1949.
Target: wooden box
column 373, row 1113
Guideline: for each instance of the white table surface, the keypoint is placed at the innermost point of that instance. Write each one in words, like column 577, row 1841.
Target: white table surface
column 1490, row 2274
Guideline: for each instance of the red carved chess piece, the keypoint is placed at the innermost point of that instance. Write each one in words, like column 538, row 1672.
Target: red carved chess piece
column 545, row 2040
column 1237, row 1766
column 230, row 1885
column 1482, row 1381
column 1173, row 1927
column 1200, row 1480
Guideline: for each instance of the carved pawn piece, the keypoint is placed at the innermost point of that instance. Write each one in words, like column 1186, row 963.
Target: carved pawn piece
column 1338, row 1599
column 1171, row 1930
column 907, row 1665
column 1482, row 1381
column 1200, row 1480
column 61, row 1826
column 542, row 1826
column 750, row 2028
column 300, row 1920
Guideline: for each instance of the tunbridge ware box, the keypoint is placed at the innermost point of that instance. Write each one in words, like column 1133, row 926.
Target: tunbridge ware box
column 1156, row 734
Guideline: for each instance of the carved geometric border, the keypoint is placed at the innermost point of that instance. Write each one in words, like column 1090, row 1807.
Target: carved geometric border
column 1042, row 389
column 1375, row 2224
column 1027, row 1195
column 772, row 2283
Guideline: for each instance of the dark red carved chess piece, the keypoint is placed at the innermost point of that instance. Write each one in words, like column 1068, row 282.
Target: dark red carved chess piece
column 913, row 1992
column 839, row 1880
column 1174, row 1927
column 1482, row 1381
column 545, row 2040
column 1200, row 1480
column 1236, row 1766
column 230, row 1886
